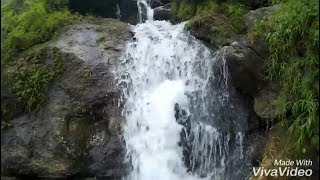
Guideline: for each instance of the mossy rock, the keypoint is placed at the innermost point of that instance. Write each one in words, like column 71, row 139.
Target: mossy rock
column 216, row 29
column 265, row 103
column 70, row 133
column 33, row 74
column 281, row 146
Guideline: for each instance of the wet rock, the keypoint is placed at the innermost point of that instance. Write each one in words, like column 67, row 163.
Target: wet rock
column 77, row 132
column 183, row 119
column 255, row 148
column 157, row 3
column 265, row 103
column 162, row 13
column 245, row 67
column 128, row 11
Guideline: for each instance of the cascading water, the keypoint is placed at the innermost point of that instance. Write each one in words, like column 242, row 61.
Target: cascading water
column 165, row 82
column 118, row 12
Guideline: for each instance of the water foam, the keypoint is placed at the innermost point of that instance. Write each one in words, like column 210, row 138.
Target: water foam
column 165, row 65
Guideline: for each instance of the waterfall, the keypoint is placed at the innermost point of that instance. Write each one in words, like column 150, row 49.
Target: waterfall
column 169, row 132
column 118, row 12
column 145, row 12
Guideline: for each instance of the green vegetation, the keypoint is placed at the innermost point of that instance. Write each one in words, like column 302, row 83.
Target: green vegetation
column 183, row 10
column 32, row 77
column 187, row 9
column 25, row 23
column 235, row 12
column 218, row 22
column 293, row 37
column 209, row 11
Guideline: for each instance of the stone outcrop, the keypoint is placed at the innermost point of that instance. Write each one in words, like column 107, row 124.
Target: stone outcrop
column 245, row 67
column 162, row 12
column 261, row 14
column 265, row 103
column 77, row 132
column 216, row 30
column 157, row 3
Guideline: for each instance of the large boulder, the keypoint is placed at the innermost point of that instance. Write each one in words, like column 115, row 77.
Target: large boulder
column 162, row 13
column 251, row 19
column 216, row 30
column 245, row 67
column 261, row 14
column 77, row 132
column 265, row 103
column 157, row 3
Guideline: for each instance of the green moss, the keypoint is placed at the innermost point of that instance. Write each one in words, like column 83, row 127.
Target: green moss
column 101, row 39
column 57, row 165
column 35, row 71
column 266, row 104
column 76, row 125
column 218, row 22
column 221, row 21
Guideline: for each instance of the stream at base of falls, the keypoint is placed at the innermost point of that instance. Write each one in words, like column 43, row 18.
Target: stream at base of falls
column 180, row 121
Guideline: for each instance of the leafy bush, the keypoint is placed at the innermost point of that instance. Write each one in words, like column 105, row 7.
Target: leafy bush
column 294, row 41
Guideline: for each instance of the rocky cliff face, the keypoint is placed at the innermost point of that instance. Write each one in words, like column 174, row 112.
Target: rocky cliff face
column 77, row 131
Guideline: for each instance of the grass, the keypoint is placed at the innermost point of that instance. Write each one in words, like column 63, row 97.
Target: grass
column 236, row 11
column 293, row 37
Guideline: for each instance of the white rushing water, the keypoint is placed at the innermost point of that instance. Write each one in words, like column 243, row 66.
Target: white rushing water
column 163, row 66
column 118, row 12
